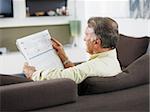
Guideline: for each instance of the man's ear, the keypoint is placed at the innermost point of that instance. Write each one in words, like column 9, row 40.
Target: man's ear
column 97, row 41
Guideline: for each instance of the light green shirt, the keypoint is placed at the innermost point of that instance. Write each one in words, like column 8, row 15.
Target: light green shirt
column 103, row 64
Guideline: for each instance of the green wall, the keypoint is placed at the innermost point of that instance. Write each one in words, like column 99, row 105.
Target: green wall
column 8, row 36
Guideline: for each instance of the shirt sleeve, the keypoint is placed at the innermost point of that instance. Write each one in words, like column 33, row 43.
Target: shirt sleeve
column 77, row 73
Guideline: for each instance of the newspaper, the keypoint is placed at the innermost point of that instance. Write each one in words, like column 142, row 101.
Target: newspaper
column 38, row 51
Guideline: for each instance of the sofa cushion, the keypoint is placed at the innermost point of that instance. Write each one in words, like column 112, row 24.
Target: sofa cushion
column 38, row 94
column 135, row 74
column 130, row 48
column 9, row 79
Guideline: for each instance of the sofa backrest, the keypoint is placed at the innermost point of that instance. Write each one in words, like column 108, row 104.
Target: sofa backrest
column 135, row 74
column 131, row 48
column 12, row 79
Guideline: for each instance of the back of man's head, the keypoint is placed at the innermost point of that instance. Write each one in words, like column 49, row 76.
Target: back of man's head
column 106, row 29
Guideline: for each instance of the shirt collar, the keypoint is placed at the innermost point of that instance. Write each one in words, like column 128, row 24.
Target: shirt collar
column 103, row 54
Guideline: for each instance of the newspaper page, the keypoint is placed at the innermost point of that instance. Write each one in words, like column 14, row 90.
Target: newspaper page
column 38, row 51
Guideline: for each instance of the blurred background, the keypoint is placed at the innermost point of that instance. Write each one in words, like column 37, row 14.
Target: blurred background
column 19, row 18
column 66, row 21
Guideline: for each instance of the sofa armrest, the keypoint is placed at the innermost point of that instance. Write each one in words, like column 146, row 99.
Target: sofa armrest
column 33, row 95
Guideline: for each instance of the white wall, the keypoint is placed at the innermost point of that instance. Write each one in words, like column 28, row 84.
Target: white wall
column 112, row 8
column 148, row 27
column 117, row 9
column 133, row 27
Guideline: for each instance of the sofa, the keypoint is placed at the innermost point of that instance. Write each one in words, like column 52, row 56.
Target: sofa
column 127, row 91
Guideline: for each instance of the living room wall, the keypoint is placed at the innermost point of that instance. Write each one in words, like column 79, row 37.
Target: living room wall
column 8, row 36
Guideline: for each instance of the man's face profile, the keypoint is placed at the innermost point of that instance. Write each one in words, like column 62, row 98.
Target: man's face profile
column 89, row 38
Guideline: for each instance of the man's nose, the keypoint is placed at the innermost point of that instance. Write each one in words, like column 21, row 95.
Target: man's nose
column 84, row 38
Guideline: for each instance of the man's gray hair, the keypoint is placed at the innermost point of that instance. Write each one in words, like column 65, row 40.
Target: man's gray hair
column 106, row 29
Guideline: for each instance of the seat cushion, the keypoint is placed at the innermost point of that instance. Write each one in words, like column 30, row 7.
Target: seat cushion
column 130, row 48
column 128, row 100
column 135, row 74
column 9, row 79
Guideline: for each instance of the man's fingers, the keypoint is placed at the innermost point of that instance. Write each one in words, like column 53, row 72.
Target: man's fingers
column 56, row 41
column 26, row 65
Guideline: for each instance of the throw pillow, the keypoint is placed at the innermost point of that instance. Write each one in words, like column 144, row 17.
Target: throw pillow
column 130, row 48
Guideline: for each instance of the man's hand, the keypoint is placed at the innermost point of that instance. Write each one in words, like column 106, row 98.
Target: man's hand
column 28, row 70
column 59, row 49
